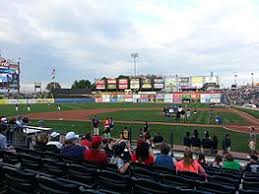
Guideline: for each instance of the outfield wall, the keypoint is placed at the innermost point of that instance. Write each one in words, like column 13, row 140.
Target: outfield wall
column 27, row 101
column 176, row 98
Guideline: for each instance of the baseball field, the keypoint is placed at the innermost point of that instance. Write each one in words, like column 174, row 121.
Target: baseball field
column 77, row 117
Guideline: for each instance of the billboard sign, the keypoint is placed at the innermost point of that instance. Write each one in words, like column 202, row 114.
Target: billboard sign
column 146, row 83
column 158, row 83
column 211, row 79
column 134, row 83
column 111, row 84
column 170, row 84
column 123, row 84
column 100, row 85
column 197, row 82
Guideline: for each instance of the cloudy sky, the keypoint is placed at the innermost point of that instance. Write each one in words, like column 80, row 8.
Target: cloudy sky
column 88, row 39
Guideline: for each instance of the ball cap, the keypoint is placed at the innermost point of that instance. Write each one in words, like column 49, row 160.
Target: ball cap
column 71, row 135
column 96, row 140
column 54, row 134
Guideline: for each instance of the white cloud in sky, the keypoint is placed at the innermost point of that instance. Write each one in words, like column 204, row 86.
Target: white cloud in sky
column 91, row 39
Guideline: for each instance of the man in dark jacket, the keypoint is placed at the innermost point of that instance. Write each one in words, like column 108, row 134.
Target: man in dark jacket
column 226, row 144
column 187, row 140
column 196, row 142
column 206, row 143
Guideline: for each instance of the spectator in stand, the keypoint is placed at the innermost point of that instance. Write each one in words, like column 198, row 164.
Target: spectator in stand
column 253, row 165
column 230, row 163
column 252, row 141
column 117, row 159
column 86, row 141
column 206, row 143
column 187, row 140
column 217, row 162
column 3, row 140
column 54, row 140
column 111, row 124
column 95, row 124
column 71, row 149
column 196, row 142
column 226, row 144
column 158, row 139
column 201, row 159
column 142, row 154
column 214, row 143
column 126, row 154
column 189, row 164
column 96, row 154
column 163, row 159
column 41, row 142
column 108, row 146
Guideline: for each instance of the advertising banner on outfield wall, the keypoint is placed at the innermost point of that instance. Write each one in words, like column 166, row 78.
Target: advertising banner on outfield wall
column 170, row 84
column 205, row 98
column 128, row 98
column 134, row 83
column 106, row 98
column 3, row 101
column 123, row 84
column 168, row 98
column 197, row 82
column 98, row 100
column 177, row 98
column 111, row 84
column 158, row 83
column 136, row 98
column 120, row 98
column 195, row 95
column 146, row 83
column 100, row 85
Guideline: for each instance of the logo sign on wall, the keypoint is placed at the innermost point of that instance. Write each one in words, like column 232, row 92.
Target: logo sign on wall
column 134, row 83
column 146, row 83
column 158, row 83
column 111, row 84
column 100, row 84
column 123, row 84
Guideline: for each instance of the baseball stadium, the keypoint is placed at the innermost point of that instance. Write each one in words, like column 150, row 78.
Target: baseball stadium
column 119, row 133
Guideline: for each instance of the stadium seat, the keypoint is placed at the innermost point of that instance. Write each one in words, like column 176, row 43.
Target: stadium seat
column 18, row 181
column 147, row 186
column 176, row 180
column 250, row 185
column 192, row 191
column 52, row 149
column 48, row 185
column 81, row 173
column 93, row 191
column 10, row 158
column 53, row 167
column 242, row 191
column 30, row 161
column 191, row 175
column 141, row 172
column 162, row 170
column 215, row 188
column 224, row 180
column 114, row 181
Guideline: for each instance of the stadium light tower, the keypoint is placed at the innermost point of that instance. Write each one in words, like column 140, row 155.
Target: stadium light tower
column 135, row 56
column 252, row 74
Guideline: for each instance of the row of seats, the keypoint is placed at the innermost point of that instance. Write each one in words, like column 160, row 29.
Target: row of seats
column 219, row 181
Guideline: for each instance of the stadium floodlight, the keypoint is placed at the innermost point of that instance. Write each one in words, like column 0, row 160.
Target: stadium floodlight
column 252, row 74
column 134, row 56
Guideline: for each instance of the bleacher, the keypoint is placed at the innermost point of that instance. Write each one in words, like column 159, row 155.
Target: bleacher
column 46, row 172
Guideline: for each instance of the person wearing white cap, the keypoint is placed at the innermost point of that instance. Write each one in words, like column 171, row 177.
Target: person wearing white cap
column 71, row 149
column 55, row 140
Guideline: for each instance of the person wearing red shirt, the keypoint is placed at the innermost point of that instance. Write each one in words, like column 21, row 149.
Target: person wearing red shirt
column 143, row 155
column 189, row 165
column 96, row 154
column 86, row 141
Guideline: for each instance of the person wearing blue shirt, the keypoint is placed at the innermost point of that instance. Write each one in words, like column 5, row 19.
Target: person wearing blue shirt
column 163, row 159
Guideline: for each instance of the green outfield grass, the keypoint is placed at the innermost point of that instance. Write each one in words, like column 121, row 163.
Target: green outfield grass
column 239, row 140
column 9, row 110
column 202, row 117
column 254, row 113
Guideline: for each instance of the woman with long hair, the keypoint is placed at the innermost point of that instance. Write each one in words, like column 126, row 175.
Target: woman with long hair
column 189, row 164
